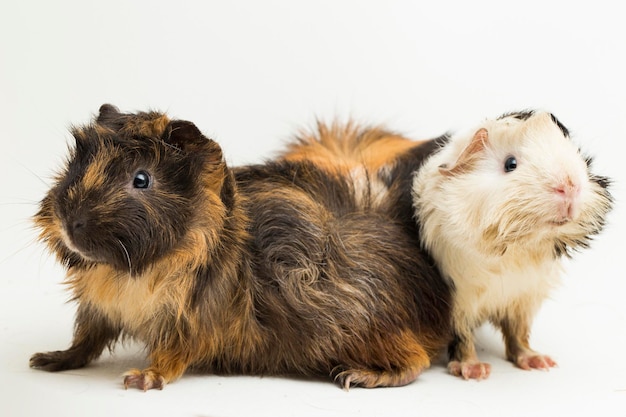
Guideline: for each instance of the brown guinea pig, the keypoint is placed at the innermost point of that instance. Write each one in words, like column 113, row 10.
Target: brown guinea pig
column 497, row 209
column 278, row 268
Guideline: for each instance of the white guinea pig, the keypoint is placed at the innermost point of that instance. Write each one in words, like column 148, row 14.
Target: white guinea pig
column 498, row 209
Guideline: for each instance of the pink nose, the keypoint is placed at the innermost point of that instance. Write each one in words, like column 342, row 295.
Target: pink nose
column 567, row 189
column 568, row 193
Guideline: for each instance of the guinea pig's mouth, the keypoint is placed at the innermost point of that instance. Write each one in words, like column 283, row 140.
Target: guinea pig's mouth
column 80, row 247
column 69, row 243
column 559, row 222
column 85, row 254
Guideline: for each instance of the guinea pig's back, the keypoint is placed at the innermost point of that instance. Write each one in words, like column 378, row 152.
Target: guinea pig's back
column 321, row 255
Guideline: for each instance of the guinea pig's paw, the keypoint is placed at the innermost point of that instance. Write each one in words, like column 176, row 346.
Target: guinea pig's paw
column 534, row 360
column 470, row 370
column 368, row 378
column 144, row 380
column 59, row 360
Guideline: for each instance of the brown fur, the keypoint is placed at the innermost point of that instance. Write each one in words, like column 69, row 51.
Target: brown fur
column 271, row 269
column 344, row 147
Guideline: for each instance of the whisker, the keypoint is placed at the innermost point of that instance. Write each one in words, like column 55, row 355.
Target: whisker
column 33, row 173
column 130, row 265
column 30, row 171
column 24, row 202
column 22, row 248
column 22, row 226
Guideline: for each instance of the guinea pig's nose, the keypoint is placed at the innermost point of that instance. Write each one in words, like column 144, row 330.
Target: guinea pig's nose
column 567, row 192
column 76, row 226
column 567, row 189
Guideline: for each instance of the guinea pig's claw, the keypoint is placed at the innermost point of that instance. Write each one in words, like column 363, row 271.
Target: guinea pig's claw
column 369, row 378
column 535, row 361
column 346, row 383
column 144, row 380
column 470, row 370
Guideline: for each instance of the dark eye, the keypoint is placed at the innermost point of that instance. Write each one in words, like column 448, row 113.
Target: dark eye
column 510, row 164
column 142, row 180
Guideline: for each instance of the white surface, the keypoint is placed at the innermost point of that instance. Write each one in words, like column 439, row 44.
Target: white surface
column 249, row 74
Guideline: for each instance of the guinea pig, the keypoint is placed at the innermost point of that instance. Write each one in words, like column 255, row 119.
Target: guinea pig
column 499, row 209
column 271, row 269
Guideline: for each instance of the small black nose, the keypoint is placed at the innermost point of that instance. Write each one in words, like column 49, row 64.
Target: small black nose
column 78, row 224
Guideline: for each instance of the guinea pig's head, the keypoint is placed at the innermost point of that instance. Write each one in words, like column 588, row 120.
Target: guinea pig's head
column 520, row 180
column 133, row 186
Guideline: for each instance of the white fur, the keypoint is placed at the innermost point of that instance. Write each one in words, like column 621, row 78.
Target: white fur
column 493, row 233
column 368, row 189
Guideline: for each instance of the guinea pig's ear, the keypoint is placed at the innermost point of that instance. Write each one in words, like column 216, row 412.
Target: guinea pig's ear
column 187, row 137
column 108, row 110
column 110, row 117
column 469, row 155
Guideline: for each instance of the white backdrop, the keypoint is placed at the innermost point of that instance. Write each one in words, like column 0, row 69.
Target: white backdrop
column 249, row 74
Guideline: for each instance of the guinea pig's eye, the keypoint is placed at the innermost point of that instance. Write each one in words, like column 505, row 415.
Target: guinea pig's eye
column 510, row 164
column 142, row 180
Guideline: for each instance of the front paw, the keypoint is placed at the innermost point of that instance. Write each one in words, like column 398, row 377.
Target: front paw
column 469, row 370
column 59, row 360
column 533, row 360
column 144, row 380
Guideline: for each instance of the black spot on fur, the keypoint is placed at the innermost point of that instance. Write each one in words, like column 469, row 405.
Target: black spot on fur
column 400, row 179
column 603, row 182
column 527, row 114
column 560, row 125
column 520, row 115
column 453, row 347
